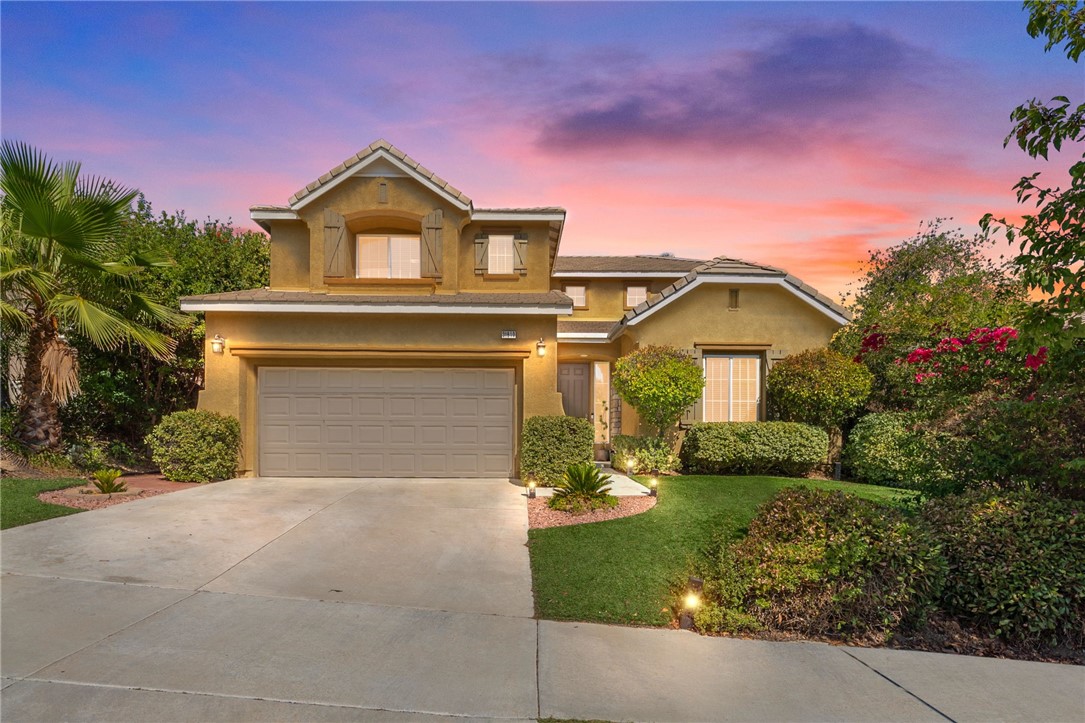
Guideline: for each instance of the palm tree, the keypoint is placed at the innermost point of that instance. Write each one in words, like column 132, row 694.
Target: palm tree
column 63, row 272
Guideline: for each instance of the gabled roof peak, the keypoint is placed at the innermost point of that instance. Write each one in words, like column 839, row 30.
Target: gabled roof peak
column 379, row 148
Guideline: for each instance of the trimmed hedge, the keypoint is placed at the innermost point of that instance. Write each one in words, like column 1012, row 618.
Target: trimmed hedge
column 1016, row 563
column 787, row 448
column 196, row 446
column 550, row 445
column 649, row 452
column 823, row 563
column 885, row 449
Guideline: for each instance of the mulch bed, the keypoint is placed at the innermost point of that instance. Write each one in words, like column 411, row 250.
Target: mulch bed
column 148, row 485
column 540, row 516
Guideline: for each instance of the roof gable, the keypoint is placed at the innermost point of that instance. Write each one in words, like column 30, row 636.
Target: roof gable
column 380, row 158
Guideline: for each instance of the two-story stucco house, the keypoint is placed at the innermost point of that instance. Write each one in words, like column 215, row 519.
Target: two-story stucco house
column 408, row 333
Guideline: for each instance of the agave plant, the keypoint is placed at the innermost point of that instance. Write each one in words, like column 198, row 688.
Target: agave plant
column 105, row 480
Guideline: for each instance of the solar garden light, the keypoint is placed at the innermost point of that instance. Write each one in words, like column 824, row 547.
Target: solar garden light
column 691, row 602
column 531, row 490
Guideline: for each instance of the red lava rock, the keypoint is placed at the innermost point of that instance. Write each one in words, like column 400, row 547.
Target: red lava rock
column 540, row 516
column 148, row 485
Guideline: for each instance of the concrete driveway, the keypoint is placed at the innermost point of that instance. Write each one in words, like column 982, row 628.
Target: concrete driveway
column 393, row 600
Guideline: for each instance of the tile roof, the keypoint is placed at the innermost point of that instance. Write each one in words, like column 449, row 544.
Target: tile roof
column 372, row 148
column 726, row 266
column 574, row 326
column 554, row 299
column 612, row 264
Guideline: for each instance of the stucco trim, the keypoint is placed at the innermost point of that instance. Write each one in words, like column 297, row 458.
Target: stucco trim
column 729, row 279
column 314, row 352
column 585, row 336
column 295, row 307
column 619, row 274
column 274, row 216
column 380, row 154
column 518, row 216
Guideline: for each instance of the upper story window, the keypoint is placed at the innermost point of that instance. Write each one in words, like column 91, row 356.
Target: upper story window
column 579, row 295
column 635, row 295
column 389, row 256
column 500, row 254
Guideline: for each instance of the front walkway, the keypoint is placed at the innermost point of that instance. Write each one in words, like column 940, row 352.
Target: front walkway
column 395, row 600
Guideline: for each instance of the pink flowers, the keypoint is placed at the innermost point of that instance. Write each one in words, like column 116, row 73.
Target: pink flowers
column 985, row 337
column 1037, row 360
column 921, row 376
column 920, row 355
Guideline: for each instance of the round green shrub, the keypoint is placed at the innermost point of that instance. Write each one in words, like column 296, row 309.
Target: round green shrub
column 824, row 563
column 819, row 387
column 550, row 445
column 196, row 446
column 786, row 448
column 660, row 382
column 888, row 448
column 649, row 453
column 1016, row 563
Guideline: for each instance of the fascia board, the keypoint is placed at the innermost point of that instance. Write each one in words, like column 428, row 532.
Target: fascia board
column 739, row 279
column 619, row 274
column 293, row 307
column 527, row 216
column 274, row 216
column 362, row 165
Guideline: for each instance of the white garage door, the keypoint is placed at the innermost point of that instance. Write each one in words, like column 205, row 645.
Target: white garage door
column 385, row 422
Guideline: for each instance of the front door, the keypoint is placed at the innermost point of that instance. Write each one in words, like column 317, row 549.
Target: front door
column 574, row 383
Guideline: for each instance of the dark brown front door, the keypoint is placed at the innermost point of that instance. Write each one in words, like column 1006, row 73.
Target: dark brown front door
column 574, row 383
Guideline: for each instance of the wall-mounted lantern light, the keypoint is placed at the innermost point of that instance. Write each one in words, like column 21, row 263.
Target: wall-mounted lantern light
column 218, row 343
column 540, row 347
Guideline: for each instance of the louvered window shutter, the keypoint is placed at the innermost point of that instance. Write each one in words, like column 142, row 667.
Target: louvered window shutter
column 338, row 259
column 482, row 249
column 519, row 246
column 431, row 244
column 696, row 412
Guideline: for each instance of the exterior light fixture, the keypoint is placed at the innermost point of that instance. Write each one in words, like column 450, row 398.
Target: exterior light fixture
column 540, row 347
column 691, row 602
column 653, row 488
column 631, row 464
column 218, row 343
column 531, row 490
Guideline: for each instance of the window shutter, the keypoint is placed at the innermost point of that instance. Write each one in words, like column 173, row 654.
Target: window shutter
column 337, row 257
column 431, row 244
column 696, row 412
column 482, row 249
column 519, row 246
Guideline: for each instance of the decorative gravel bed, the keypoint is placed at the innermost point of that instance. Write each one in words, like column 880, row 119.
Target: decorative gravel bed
column 145, row 485
column 540, row 516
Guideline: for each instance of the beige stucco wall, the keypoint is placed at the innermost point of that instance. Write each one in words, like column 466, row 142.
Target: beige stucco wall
column 264, row 339
column 537, row 278
column 769, row 318
column 289, row 256
column 606, row 297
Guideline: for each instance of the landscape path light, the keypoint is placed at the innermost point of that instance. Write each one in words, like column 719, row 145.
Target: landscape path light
column 531, row 490
column 691, row 602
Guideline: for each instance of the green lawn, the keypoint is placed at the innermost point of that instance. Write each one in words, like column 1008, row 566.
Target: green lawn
column 19, row 504
column 620, row 571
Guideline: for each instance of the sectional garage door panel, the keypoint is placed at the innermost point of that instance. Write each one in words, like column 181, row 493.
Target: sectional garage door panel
column 385, row 422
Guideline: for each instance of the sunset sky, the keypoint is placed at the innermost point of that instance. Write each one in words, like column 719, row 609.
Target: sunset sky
column 795, row 134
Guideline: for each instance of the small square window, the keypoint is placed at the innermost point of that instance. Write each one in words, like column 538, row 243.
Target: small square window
column 579, row 295
column 499, row 255
column 635, row 295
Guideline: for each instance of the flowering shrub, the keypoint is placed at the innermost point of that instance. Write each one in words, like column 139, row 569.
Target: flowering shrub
column 984, row 360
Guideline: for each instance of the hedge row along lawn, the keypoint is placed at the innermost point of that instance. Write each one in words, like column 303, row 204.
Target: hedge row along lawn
column 621, row 571
column 19, row 504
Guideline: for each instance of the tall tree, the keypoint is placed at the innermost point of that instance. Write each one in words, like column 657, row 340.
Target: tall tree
column 63, row 275
column 1052, row 240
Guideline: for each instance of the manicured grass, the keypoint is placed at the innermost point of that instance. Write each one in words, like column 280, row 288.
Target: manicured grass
column 19, row 504
column 621, row 571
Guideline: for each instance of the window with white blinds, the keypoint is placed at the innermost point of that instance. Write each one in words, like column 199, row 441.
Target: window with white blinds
column 389, row 257
column 499, row 253
column 732, row 388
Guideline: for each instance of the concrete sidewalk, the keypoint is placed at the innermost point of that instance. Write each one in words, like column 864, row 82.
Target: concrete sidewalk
column 403, row 600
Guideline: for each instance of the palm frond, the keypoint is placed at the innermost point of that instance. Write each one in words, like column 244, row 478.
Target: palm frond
column 13, row 318
column 101, row 325
column 60, row 371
